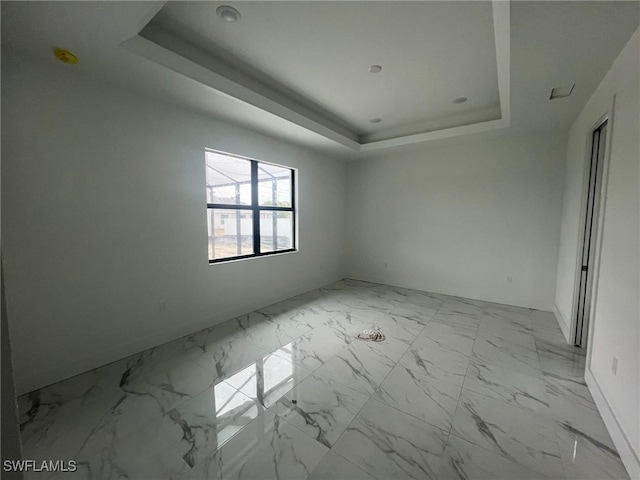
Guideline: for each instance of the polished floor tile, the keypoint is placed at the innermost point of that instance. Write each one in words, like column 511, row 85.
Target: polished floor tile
column 570, row 367
column 335, row 467
column 465, row 461
column 267, row 448
column 321, row 407
column 559, row 349
column 540, row 319
column 454, row 317
column 223, row 350
column 389, row 444
column 313, row 349
column 461, row 306
column 513, row 351
column 142, row 454
column 360, row 366
column 268, row 379
column 500, row 318
column 448, row 336
column 571, row 404
column 441, row 364
column 516, row 434
column 507, row 386
column 68, row 432
column 415, row 311
column 269, row 334
column 421, row 396
column 586, row 457
column 203, row 424
column 163, row 391
column 458, row 389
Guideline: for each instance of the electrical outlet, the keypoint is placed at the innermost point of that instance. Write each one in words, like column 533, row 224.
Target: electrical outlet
column 162, row 307
column 509, row 279
column 614, row 365
column 386, row 265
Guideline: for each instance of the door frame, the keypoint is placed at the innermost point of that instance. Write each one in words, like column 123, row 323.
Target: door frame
column 596, row 240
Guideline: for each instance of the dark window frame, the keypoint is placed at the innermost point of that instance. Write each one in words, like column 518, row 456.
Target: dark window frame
column 256, row 208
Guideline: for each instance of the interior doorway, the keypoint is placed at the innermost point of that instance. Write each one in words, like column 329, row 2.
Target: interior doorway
column 585, row 266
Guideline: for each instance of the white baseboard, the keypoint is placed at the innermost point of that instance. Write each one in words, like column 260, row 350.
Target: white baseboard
column 565, row 326
column 623, row 445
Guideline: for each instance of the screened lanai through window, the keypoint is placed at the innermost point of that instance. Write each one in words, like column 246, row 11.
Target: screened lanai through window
column 250, row 207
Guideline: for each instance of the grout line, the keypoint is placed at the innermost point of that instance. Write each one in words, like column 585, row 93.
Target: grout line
column 372, row 394
column 461, row 390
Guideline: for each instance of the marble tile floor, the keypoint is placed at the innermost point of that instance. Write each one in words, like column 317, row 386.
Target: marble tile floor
column 460, row 389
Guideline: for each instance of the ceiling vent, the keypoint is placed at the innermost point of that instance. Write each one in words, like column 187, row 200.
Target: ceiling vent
column 561, row 92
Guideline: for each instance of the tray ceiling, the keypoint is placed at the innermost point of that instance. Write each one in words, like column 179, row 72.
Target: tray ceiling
column 308, row 62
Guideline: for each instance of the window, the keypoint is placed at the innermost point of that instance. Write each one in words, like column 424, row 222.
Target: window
column 250, row 207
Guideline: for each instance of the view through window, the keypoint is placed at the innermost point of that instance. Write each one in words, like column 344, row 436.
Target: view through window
column 250, row 207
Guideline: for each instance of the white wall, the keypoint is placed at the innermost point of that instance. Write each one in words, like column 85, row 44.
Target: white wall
column 462, row 218
column 103, row 216
column 615, row 327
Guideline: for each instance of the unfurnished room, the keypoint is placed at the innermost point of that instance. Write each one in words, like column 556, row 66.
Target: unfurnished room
column 315, row 240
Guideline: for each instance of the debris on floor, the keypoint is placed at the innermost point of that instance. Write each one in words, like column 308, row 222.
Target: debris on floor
column 374, row 335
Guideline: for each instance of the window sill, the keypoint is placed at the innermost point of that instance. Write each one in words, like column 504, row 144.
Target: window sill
column 252, row 256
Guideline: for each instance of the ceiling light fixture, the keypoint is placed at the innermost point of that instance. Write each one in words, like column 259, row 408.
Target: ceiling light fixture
column 459, row 100
column 375, row 69
column 228, row 13
column 561, row 92
column 375, row 120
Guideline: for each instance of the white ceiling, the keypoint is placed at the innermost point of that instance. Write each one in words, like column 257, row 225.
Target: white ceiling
column 298, row 70
column 430, row 53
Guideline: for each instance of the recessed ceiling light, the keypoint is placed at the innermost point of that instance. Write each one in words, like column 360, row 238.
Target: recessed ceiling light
column 459, row 100
column 228, row 13
column 561, row 92
column 65, row 56
column 375, row 69
column 375, row 120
